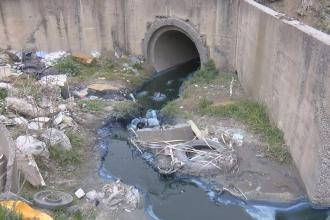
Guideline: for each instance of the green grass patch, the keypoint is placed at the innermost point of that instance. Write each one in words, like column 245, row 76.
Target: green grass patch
column 104, row 67
column 3, row 93
column 92, row 105
column 255, row 117
column 7, row 214
column 170, row 110
column 126, row 109
column 68, row 157
column 205, row 74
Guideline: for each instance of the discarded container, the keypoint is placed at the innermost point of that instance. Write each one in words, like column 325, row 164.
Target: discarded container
column 25, row 210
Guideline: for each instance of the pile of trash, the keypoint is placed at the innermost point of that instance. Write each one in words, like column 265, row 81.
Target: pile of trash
column 114, row 196
column 185, row 149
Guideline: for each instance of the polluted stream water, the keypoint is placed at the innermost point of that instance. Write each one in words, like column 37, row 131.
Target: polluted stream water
column 179, row 197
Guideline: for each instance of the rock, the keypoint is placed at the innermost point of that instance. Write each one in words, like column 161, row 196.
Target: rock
column 106, row 86
column 81, row 93
column 31, row 146
column 62, row 107
column 91, row 195
column 238, row 139
column 6, row 121
column 57, row 138
column 37, row 126
column 67, row 121
column 54, row 80
column 59, row 118
column 24, row 108
column 21, row 121
column 80, row 193
column 6, row 86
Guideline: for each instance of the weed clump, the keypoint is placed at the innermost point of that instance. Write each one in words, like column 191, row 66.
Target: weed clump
column 125, row 110
column 8, row 214
column 205, row 74
column 68, row 66
column 170, row 111
column 255, row 117
column 3, row 94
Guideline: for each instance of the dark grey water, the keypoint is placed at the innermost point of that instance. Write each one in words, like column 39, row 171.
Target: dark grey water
column 182, row 198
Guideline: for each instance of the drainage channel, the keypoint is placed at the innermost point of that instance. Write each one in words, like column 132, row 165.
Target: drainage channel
column 182, row 197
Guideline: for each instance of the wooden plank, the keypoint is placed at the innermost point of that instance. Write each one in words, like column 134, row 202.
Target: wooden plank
column 196, row 130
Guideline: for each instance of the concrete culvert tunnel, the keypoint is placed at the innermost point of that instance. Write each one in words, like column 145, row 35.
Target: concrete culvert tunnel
column 173, row 48
column 171, row 42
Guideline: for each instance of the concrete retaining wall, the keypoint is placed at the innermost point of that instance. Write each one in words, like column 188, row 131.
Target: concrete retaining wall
column 281, row 63
column 88, row 25
column 286, row 66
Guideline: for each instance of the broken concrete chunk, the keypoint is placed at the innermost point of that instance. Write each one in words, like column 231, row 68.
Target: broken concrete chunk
column 24, row 108
column 31, row 146
column 106, row 86
column 59, row 118
column 57, row 138
column 21, row 121
column 41, row 119
column 36, row 126
column 30, row 169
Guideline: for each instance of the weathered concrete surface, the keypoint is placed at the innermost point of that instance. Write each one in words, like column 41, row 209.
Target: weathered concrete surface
column 281, row 63
column 286, row 66
column 88, row 25
column 8, row 148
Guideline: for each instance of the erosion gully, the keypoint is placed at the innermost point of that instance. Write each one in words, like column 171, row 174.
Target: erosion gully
column 182, row 197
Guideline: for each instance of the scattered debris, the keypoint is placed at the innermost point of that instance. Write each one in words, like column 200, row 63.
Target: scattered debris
column 159, row 97
column 177, row 150
column 54, row 80
column 80, row 193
